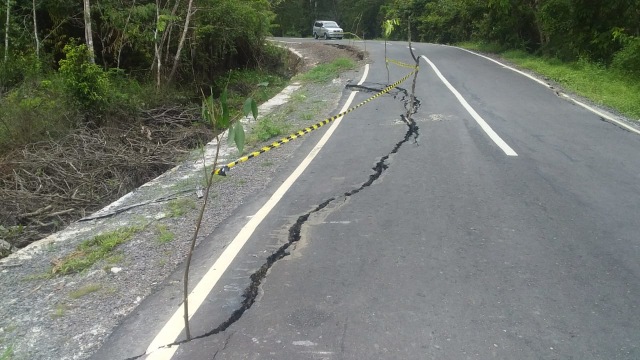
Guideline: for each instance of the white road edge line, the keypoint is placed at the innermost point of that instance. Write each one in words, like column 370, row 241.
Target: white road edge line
column 483, row 124
column 172, row 329
column 577, row 102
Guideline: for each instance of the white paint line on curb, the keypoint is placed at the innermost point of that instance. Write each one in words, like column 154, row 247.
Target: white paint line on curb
column 172, row 329
column 483, row 124
column 607, row 117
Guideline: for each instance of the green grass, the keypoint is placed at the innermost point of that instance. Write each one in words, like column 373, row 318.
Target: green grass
column 267, row 128
column 179, row 207
column 240, row 84
column 59, row 311
column 298, row 97
column 34, row 111
column 34, row 277
column 327, row 72
column 114, row 259
column 10, row 328
column 84, row 291
column 483, row 47
column 91, row 251
column 7, row 354
column 164, row 235
column 595, row 82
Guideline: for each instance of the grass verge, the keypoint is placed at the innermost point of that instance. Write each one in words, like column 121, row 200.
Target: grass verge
column 267, row 128
column 240, row 84
column 595, row 82
column 328, row 72
column 84, row 291
column 91, row 251
column 164, row 234
column 7, row 354
column 179, row 207
column 59, row 311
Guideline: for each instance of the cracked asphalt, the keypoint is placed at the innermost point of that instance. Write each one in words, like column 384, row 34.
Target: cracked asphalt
column 416, row 237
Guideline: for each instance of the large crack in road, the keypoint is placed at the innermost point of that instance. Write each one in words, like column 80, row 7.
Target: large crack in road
column 251, row 291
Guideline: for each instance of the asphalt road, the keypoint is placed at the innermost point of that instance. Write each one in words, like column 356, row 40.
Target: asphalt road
column 434, row 242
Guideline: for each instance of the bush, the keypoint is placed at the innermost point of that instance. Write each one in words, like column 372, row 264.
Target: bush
column 85, row 81
column 32, row 112
column 627, row 60
column 18, row 68
column 271, row 58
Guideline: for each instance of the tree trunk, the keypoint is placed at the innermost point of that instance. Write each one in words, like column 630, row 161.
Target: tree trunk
column 124, row 32
column 159, row 45
column 6, row 33
column 158, row 49
column 88, row 34
column 176, row 59
column 35, row 29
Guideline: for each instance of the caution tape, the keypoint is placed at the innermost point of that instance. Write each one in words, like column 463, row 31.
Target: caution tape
column 222, row 171
column 399, row 63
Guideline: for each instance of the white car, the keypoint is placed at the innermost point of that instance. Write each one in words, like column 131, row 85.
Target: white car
column 327, row 30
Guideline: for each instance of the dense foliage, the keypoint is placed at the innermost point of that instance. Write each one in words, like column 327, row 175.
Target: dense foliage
column 200, row 35
column 602, row 31
column 65, row 63
column 100, row 96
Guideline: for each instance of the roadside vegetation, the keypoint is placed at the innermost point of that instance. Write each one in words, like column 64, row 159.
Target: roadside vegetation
column 327, row 72
column 164, row 234
column 601, row 84
column 91, row 251
column 267, row 128
column 84, row 291
column 179, row 207
column 7, row 354
column 96, row 98
column 591, row 48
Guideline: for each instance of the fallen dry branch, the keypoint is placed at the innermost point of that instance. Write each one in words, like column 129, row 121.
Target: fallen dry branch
column 47, row 185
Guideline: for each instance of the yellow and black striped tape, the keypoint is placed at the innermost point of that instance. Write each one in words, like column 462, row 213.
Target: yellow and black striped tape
column 223, row 170
column 399, row 63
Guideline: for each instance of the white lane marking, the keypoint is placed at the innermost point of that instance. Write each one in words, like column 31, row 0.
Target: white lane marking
column 483, row 124
column 603, row 115
column 577, row 102
column 172, row 329
column 510, row 68
column 304, row 343
column 364, row 76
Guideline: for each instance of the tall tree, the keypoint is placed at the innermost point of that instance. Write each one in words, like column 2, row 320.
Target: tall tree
column 6, row 32
column 35, row 28
column 157, row 45
column 185, row 30
column 88, row 34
